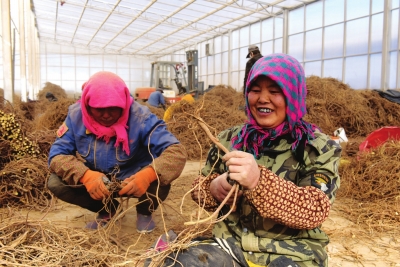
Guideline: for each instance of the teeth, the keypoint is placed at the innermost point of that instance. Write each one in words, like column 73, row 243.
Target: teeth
column 267, row 110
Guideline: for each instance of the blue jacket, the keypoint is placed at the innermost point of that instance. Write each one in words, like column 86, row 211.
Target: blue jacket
column 156, row 98
column 146, row 133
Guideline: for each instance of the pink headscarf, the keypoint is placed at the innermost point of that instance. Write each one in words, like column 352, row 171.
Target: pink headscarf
column 105, row 89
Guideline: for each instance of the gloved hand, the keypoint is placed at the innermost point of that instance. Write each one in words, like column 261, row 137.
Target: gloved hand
column 94, row 184
column 138, row 183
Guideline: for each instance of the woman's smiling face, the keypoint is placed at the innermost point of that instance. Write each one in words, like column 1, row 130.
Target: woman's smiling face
column 267, row 102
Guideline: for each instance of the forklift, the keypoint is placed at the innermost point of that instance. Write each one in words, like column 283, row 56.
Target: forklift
column 160, row 78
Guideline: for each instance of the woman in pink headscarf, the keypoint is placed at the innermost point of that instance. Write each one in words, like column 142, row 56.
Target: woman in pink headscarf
column 119, row 140
column 287, row 173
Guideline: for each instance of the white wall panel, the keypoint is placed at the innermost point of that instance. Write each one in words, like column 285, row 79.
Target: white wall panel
column 68, row 84
column 122, row 61
column 296, row 21
column 110, row 62
column 82, row 74
column 295, row 46
column 78, row 86
column 123, row 73
column 68, row 74
column 218, row 63
column 235, row 81
column 203, row 69
column 53, row 59
column 376, row 33
column 333, row 68
column 138, row 64
column 356, row 72
column 82, row 60
column 210, row 64
column 235, row 60
column 313, row 47
column 68, row 60
column 278, row 46
column 378, row 5
column 1, row 77
column 278, row 29
column 313, row 68
column 393, row 69
column 217, row 79
column 210, row 80
column 224, row 79
column 225, row 61
column 334, row 40
column 54, row 74
column 255, row 36
column 137, row 75
column 235, row 39
column 241, row 81
column 375, row 71
column 43, row 73
column 244, row 36
column 334, row 11
column 314, row 15
column 394, row 30
column 267, row 29
column 267, row 48
column 225, row 43
column 357, row 37
column 357, row 9
column 217, row 44
column 242, row 56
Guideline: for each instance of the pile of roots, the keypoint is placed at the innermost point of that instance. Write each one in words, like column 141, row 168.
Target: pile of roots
column 42, row 243
column 370, row 186
column 332, row 104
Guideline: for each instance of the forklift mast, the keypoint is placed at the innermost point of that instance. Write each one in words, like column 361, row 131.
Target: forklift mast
column 160, row 74
column 192, row 63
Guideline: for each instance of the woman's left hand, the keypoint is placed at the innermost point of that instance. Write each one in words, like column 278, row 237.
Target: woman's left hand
column 243, row 168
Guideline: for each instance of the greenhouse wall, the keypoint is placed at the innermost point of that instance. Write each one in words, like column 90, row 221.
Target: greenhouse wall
column 70, row 67
column 354, row 41
column 332, row 38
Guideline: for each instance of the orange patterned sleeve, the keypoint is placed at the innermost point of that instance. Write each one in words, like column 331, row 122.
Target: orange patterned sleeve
column 201, row 192
column 68, row 167
column 170, row 164
column 290, row 205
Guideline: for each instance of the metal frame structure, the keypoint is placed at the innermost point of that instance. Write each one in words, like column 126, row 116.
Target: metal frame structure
column 132, row 33
column 151, row 28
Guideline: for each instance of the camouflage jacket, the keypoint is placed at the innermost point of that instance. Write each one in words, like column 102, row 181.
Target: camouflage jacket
column 263, row 239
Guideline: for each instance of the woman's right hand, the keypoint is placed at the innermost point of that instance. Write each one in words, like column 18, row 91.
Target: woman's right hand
column 220, row 188
column 93, row 181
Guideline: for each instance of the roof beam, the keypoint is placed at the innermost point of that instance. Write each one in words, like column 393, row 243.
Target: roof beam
column 227, row 22
column 160, row 22
column 79, row 21
column 130, row 22
column 55, row 24
column 192, row 22
column 104, row 21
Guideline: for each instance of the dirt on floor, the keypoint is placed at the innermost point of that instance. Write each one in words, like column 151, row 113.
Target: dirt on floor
column 350, row 245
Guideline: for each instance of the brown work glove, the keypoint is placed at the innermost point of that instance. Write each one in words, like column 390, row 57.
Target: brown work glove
column 138, row 183
column 93, row 181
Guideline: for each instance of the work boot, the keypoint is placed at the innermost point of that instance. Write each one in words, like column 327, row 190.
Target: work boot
column 144, row 223
column 101, row 221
